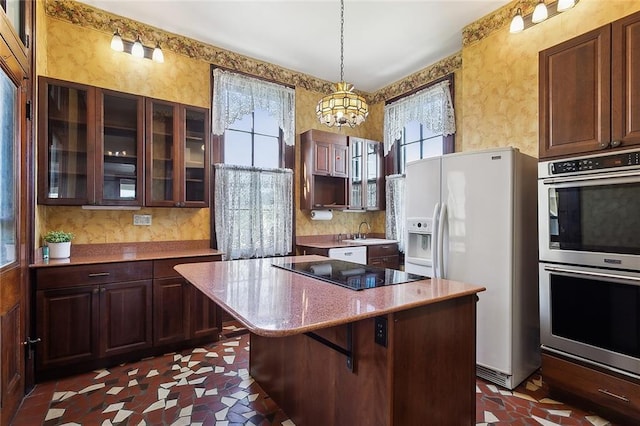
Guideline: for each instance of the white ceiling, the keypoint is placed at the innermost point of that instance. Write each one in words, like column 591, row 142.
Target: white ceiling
column 384, row 40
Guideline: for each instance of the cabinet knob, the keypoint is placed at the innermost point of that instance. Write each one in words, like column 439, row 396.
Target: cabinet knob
column 615, row 144
column 95, row 290
column 604, row 144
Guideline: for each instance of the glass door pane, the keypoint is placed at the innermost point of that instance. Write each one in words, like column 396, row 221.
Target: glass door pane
column 67, row 143
column 120, row 148
column 356, row 173
column 373, row 171
column 162, row 150
column 195, row 148
column 8, row 143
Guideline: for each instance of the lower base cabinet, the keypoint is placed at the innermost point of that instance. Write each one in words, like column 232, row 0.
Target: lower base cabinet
column 611, row 395
column 91, row 316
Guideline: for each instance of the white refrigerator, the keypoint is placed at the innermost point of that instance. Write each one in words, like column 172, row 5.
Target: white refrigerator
column 480, row 213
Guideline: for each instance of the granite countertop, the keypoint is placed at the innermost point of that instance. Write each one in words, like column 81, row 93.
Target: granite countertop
column 325, row 242
column 84, row 254
column 272, row 302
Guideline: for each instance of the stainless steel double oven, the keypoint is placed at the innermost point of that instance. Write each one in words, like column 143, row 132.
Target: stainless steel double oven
column 589, row 221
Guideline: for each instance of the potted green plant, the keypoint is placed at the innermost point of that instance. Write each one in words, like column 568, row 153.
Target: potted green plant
column 59, row 243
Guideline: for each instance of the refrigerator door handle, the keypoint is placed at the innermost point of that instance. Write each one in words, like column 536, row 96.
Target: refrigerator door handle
column 434, row 239
column 440, row 246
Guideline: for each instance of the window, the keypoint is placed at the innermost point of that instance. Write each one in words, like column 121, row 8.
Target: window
column 255, row 140
column 418, row 142
column 8, row 144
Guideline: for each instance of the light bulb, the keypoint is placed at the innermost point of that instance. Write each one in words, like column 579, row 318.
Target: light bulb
column 540, row 13
column 157, row 56
column 565, row 5
column 137, row 50
column 116, row 42
column 517, row 23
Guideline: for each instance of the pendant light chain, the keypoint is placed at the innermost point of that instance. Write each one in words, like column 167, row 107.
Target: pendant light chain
column 341, row 40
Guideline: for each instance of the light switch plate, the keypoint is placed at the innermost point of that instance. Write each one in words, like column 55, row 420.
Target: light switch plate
column 142, row 219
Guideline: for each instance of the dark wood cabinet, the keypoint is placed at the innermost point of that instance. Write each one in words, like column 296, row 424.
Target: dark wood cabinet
column 615, row 395
column 177, row 144
column 125, row 317
column 325, row 170
column 91, row 145
column 587, row 87
column 90, row 316
column 88, row 312
column 181, row 311
column 383, row 256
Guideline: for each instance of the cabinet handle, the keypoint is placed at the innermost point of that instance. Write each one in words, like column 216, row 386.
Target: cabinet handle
column 621, row 398
column 99, row 274
column 102, row 289
column 615, row 144
column 604, row 144
column 384, row 247
column 95, row 290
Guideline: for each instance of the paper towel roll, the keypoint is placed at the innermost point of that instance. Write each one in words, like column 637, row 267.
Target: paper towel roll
column 321, row 215
column 321, row 269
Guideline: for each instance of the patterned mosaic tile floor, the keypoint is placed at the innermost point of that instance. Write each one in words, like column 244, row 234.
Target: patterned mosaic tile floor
column 211, row 386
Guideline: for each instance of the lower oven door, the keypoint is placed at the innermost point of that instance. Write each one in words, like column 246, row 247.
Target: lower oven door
column 591, row 313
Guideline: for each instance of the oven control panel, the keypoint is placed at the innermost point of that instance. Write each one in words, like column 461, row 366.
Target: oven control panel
column 595, row 163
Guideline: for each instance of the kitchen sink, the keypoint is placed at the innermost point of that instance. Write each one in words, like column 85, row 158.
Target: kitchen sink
column 369, row 241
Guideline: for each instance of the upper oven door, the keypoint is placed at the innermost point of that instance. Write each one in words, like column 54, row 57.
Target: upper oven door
column 591, row 219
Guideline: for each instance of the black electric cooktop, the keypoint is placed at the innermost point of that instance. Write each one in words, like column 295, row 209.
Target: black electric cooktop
column 348, row 274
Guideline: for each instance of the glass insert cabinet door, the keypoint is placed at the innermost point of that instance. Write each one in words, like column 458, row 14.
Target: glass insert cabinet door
column 366, row 174
column 162, row 161
column 66, row 155
column 196, row 151
column 121, row 149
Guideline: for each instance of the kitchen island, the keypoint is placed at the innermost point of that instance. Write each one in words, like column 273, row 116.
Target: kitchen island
column 392, row 355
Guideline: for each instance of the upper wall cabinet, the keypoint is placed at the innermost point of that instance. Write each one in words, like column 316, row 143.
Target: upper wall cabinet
column 177, row 155
column 366, row 176
column 324, row 170
column 90, row 145
column 587, row 87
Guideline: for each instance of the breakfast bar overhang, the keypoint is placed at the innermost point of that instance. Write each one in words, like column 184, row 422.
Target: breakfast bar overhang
column 328, row 355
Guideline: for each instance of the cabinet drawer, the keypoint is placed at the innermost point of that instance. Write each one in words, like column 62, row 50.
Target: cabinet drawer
column 391, row 262
column 381, row 250
column 101, row 273
column 164, row 268
column 609, row 391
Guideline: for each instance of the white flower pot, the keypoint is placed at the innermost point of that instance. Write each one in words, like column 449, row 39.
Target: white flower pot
column 59, row 250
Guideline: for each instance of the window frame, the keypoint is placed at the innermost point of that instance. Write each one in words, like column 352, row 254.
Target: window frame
column 393, row 157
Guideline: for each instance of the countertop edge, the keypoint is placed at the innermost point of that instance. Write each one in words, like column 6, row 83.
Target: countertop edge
column 124, row 257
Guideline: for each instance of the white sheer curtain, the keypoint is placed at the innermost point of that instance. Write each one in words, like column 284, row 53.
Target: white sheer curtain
column 395, row 214
column 236, row 95
column 432, row 107
column 253, row 211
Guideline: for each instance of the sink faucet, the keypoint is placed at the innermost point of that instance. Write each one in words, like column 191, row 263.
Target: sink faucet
column 360, row 234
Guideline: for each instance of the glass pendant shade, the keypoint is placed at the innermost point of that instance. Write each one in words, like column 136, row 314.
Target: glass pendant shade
column 342, row 107
column 565, row 5
column 157, row 56
column 517, row 23
column 116, row 42
column 540, row 13
column 137, row 50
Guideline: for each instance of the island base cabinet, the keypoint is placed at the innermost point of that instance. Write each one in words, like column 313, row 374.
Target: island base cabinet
column 424, row 375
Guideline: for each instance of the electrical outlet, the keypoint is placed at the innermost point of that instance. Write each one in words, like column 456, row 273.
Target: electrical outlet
column 142, row 219
column 380, row 333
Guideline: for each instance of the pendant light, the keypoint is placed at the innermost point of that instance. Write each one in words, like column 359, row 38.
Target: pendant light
column 540, row 13
column 342, row 107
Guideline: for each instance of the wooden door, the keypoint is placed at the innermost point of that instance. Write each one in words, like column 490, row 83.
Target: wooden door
column 340, row 161
column 575, row 95
column 125, row 317
column 170, row 305
column 204, row 316
column 67, row 323
column 322, row 156
column 195, row 185
column 625, row 81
